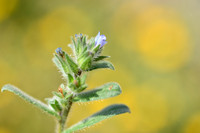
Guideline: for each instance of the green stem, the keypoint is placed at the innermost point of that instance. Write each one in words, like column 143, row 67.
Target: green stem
column 63, row 115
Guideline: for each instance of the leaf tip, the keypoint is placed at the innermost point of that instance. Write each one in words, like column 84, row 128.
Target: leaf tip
column 4, row 88
column 111, row 66
column 127, row 108
column 117, row 84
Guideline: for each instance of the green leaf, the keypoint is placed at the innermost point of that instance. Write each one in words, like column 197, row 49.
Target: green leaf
column 82, row 88
column 82, row 56
column 64, row 64
column 96, row 49
column 53, row 102
column 67, row 96
column 29, row 99
column 101, row 58
column 86, row 63
column 84, row 39
column 58, row 94
column 78, row 45
column 101, row 64
column 91, row 43
column 72, row 64
column 73, row 46
column 73, row 41
column 105, row 91
column 70, row 78
column 106, row 113
column 58, row 64
column 83, row 78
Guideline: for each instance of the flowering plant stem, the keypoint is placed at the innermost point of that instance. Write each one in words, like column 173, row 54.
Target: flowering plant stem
column 74, row 69
column 63, row 115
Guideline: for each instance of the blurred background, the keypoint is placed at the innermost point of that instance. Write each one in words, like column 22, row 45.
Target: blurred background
column 152, row 43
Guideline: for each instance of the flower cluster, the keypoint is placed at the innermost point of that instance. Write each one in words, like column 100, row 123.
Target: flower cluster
column 86, row 57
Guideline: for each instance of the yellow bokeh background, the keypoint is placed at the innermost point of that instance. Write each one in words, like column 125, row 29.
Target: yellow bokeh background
column 153, row 45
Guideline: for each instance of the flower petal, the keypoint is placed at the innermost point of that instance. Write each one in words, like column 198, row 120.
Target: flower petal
column 100, row 40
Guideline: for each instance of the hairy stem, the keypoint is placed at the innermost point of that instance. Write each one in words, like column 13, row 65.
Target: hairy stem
column 63, row 115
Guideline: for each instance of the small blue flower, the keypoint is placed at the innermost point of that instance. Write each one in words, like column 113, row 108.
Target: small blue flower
column 100, row 40
column 79, row 35
column 59, row 51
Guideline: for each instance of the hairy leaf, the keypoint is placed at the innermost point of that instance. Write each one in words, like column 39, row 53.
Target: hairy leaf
column 72, row 64
column 64, row 64
column 86, row 63
column 58, row 94
column 101, row 58
column 101, row 64
column 58, row 64
column 106, row 113
column 105, row 91
column 29, row 99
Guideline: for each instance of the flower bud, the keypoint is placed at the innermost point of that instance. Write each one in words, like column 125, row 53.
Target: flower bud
column 100, row 40
column 59, row 51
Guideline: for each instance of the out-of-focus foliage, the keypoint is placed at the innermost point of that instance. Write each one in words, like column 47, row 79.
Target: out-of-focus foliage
column 153, row 44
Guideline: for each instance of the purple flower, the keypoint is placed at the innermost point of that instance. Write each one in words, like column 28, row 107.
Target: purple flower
column 79, row 35
column 100, row 40
column 59, row 51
